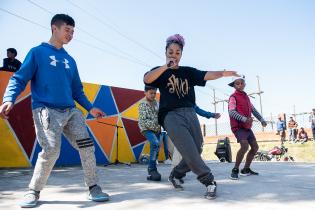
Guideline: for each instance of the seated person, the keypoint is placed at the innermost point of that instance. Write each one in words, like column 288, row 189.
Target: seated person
column 303, row 137
column 11, row 63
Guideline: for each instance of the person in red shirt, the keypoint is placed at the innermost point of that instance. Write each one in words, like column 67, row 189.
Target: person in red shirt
column 240, row 112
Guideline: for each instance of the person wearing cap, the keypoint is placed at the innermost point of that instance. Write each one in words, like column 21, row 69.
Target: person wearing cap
column 11, row 63
column 240, row 112
column 177, row 114
column 312, row 121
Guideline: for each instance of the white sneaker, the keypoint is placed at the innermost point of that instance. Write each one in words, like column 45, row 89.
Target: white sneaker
column 168, row 162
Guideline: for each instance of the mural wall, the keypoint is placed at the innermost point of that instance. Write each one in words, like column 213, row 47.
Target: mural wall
column 19, row 148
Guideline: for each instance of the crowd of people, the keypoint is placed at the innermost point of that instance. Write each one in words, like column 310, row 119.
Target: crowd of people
column 295, row 134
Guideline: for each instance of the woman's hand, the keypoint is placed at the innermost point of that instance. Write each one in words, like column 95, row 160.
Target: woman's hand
column 171, row 62
column 230, row 74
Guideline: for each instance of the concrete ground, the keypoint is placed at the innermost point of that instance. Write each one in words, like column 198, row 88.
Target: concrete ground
column 279, row 186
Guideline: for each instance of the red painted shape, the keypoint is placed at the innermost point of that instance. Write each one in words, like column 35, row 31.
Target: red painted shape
column 21, row 121
column 133, row 132
column 126, row 97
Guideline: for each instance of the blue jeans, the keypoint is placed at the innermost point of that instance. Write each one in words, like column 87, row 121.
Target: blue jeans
column 291, row 134
column 313, row 131
column 154, row 139
column 164, row 138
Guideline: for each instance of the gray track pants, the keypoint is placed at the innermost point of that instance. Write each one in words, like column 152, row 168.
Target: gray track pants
column 49, row 126
column 182, row 126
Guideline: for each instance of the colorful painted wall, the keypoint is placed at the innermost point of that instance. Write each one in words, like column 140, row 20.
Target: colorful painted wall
column 19, row 148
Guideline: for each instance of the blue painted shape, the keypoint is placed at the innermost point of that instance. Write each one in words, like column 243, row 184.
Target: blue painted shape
column 105, row 101
column 137, row 150
column 35, row 154
column 69, row 156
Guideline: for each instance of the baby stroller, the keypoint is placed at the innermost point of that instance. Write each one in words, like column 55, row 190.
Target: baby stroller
column 223, row 150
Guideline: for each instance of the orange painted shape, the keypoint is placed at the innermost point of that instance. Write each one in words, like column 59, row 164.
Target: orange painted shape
column 104, row 132
column 4, row 80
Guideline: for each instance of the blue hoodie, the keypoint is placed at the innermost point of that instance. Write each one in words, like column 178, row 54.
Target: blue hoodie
column 55, row 81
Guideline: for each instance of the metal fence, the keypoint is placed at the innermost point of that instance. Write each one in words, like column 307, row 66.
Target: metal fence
column 224, row 128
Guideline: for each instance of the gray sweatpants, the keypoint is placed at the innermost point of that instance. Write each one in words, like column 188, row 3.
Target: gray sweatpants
column 182, row 126
column 49, row 126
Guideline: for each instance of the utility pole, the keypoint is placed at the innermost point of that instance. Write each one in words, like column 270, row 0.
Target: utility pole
column 215, row 111
column 259, row 94
column 215, row 102
column 271, row 121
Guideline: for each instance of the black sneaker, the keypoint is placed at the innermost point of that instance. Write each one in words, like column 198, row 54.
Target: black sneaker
column 211, row 192
column 248, row 172
column 234, row 174
column 177, row 183
column 153, row 175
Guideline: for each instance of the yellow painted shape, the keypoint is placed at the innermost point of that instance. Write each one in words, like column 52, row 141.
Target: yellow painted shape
column 146, row 150
column 132, row 112
column 11, row 155
column 90, row 91
column 125, row 153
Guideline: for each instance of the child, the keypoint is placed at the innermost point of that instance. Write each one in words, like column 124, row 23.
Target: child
column 150, row 128
column 55, row 85
column 240, row 111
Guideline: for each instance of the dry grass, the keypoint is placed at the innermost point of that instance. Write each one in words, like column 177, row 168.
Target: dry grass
column 300, row 152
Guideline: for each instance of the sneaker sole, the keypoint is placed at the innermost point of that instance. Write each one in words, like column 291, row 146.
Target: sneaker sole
column 177, row 187
column 210, row 198
column 245, row 174
column 154, row 180
column 99, row 199
column 24, row 205
column 234, row 178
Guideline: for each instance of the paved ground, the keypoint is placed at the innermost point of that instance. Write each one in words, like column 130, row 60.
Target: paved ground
column 279, row 186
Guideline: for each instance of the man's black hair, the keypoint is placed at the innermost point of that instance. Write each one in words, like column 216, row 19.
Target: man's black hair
column 12, row 50
column 60, row 19
column 147, row 87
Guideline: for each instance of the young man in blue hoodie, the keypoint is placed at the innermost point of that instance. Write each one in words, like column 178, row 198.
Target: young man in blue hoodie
column 55, row 85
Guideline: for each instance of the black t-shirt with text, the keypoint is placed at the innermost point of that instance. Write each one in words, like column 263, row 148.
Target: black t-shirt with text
column 177, row 88
column 9, row 65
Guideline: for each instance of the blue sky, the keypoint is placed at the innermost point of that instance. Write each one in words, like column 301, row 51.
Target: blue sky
column 116, row 42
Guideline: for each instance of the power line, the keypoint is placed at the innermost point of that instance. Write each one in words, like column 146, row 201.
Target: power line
column 79, row 41
column 220, row 90
column 96, row 38
column 23, row 18
column 116, row 30
column 37, row 5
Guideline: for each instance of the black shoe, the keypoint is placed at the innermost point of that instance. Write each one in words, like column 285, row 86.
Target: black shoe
column 211, row 192
column 153, row 175
column 234, row 174
column 248, row 172
column 177, row 183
